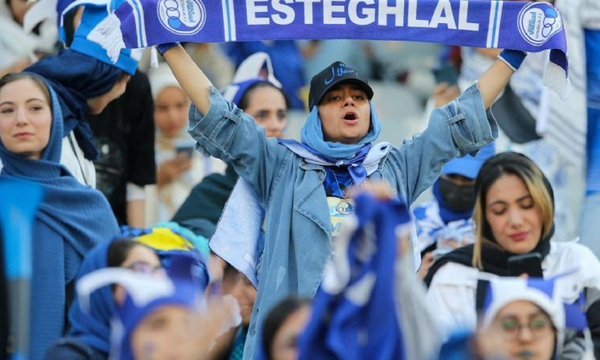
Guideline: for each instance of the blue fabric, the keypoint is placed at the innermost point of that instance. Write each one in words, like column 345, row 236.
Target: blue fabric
column 93, row 327
column 513, row 57
column 82, row 42
column 345, row 311
column 71, row 220
column 75, row 78
column 469, row 165
column 592, row 45
column 312, row 135
column 352, row 165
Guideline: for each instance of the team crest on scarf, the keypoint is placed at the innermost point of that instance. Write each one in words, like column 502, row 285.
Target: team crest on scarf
column 538, row 23
column 182, row 17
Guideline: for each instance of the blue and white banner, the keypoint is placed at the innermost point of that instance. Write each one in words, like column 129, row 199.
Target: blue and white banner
column 527, row 26
column 515, row 25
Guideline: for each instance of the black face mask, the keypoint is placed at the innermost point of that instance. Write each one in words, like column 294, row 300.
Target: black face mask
column 458, row 198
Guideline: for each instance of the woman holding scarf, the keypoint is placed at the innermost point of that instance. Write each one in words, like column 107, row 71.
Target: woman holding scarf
column 304, row 186
column 514, row 221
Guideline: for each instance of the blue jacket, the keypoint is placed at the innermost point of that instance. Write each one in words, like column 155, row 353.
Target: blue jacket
column 297, row 222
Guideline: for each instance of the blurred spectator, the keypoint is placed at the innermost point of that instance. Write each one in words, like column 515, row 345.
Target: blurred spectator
column 231, row 344
column 164, row 318
column 89, row 333
column 283, row 327
column 444, row 223
column 287, row 64
column 21, row 46
column 124, row 136
column 179, row 165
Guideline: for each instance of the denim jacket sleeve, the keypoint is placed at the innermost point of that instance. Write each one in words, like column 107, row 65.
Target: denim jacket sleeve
column 226, row 132
column 457, row 129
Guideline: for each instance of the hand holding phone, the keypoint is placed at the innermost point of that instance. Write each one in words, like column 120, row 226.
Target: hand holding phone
column 530, row 264
column 185, row 150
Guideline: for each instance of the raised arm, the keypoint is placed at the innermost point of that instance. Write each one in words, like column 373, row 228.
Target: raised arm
column 191, row 78
column 491, row 82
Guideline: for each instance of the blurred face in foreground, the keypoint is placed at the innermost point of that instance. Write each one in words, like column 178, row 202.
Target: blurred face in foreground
column 168, row 333
column 526, row 331
column 285, row 346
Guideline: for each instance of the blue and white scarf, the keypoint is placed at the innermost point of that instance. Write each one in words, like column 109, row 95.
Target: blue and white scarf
column 530, row 27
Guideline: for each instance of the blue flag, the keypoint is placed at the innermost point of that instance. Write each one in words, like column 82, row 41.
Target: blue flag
column 354, row 311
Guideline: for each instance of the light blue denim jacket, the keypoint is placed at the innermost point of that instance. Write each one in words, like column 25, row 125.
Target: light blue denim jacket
column 297, row 222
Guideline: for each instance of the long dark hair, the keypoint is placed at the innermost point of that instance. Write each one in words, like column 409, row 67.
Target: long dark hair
column 510, row 163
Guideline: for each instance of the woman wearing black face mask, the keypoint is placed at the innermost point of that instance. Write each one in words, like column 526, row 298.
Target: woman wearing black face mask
column 444, row 223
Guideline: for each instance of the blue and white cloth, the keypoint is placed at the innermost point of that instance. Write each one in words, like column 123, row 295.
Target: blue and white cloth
column 354, row 311
column 530, row 27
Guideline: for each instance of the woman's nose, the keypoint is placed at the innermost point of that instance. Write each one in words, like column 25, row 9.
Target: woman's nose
column 515, row 217
column 21, row 116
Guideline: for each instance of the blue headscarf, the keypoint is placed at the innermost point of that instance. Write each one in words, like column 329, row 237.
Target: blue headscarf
column 312, row 135
column 71, row 220
column 75, row 78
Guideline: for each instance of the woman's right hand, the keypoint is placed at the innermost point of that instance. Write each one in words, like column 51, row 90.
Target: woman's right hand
column 171, row 170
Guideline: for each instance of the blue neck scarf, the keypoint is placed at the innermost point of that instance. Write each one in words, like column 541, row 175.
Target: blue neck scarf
column 71, row 220
column 312, row 135
column 75, row 78
column 446, row 214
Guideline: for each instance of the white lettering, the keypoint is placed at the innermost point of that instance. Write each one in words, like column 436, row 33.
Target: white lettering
column 463, row 14
column 412, row 16
column 443, row 15
column 368, row 13
column 329, row 9
column 385, row 10
column 252, row 9
column 308, row 10
column 290, row 15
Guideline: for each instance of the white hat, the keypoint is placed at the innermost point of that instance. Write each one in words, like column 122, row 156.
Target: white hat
column 505, row 290
column 160, row 78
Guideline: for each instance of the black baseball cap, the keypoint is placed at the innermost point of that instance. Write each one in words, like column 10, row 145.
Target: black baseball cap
column 331, row 76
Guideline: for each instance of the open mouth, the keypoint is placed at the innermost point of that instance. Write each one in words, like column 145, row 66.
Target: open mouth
column 351, row 118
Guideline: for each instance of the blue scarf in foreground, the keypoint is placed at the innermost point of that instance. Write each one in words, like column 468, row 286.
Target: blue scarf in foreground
column 354, row 311
column 530, row 27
